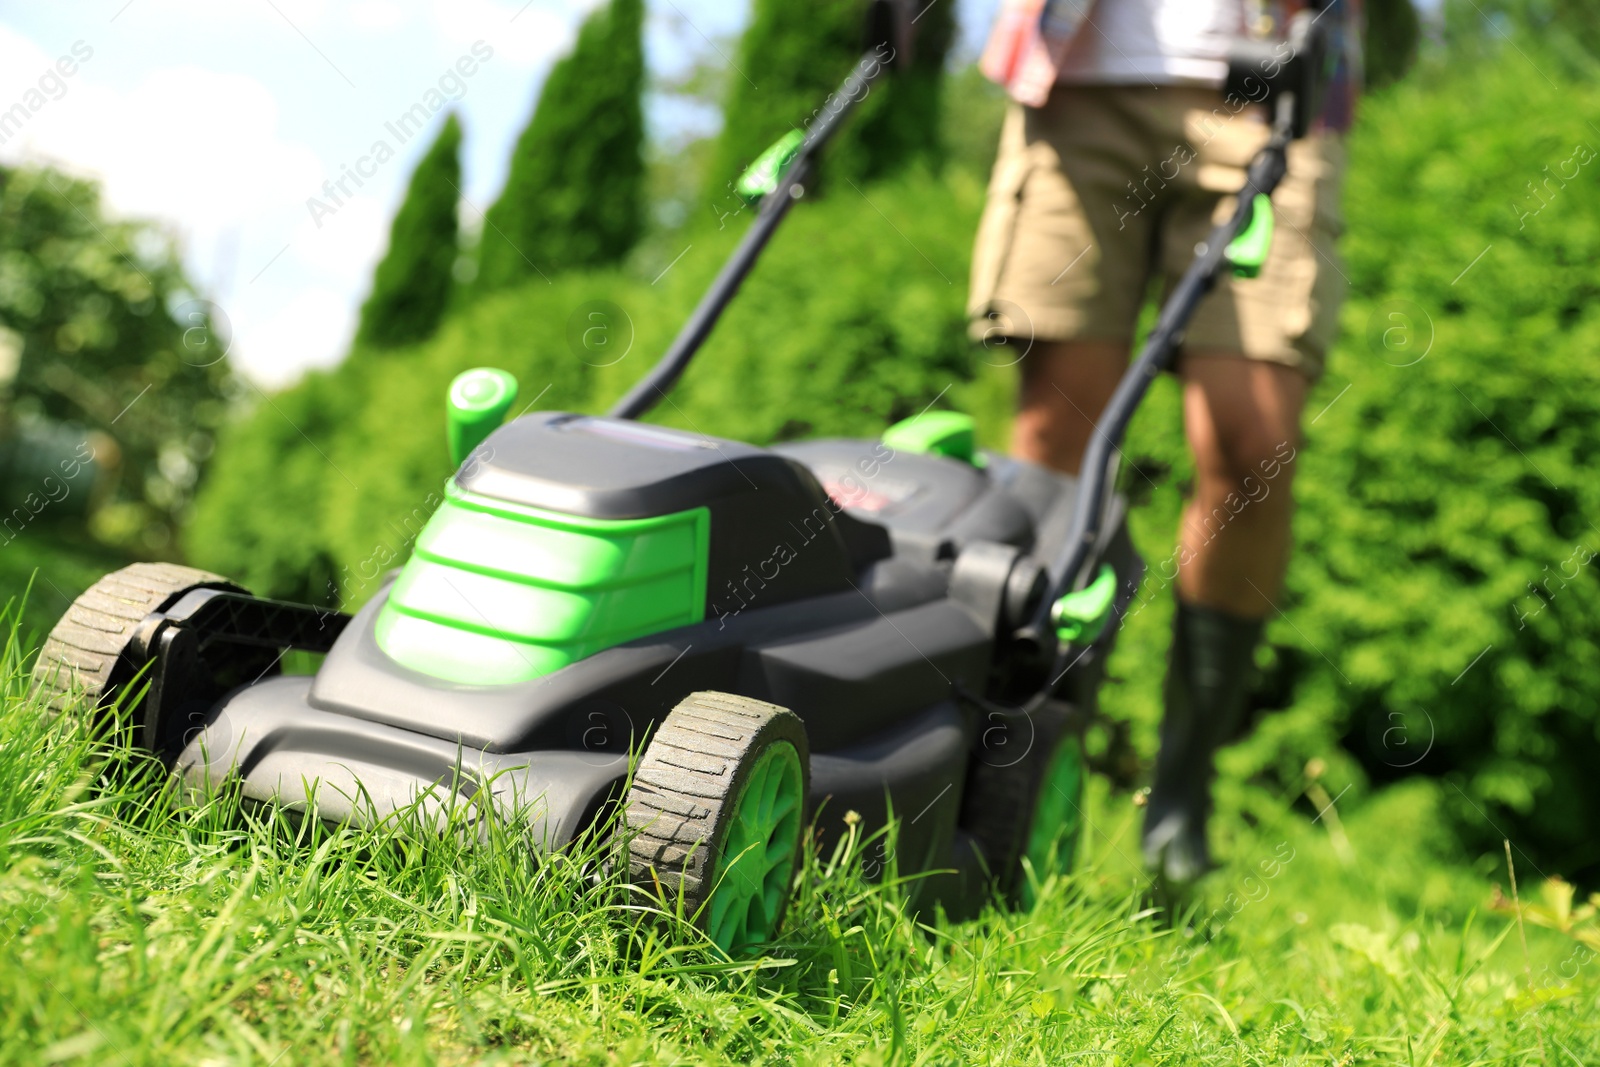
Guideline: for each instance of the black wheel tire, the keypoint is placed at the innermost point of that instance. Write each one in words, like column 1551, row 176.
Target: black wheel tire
column 87, row 654
column 679, row 809
column 1003, row 789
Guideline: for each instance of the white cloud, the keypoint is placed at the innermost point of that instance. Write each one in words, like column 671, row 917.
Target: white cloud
column 204, row 153
column 305, row 15
column 348, row 242
column 186, row 143
column 21, row 62
column 523, row 34
column 312, row 329
column 378, row 15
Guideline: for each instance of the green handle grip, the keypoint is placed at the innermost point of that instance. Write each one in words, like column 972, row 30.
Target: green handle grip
column 1248, row 251
column 1080, row 616
column 475, row 406
column 763, row 176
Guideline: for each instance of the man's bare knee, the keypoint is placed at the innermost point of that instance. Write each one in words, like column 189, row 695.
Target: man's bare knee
column 1245, row 454
column 1243, row 420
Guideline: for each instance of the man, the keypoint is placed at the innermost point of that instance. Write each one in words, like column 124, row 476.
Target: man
column 1115, row 161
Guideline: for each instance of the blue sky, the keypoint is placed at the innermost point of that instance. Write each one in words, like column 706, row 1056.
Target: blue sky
column 221, row 118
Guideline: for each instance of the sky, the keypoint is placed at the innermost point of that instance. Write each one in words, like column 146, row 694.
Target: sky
column 222, row 119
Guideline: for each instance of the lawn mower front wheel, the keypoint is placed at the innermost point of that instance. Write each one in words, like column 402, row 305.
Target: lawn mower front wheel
column 89, row 652
column 716, row 812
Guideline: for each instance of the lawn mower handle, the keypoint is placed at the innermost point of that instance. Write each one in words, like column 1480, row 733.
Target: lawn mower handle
column 1071, row 569
column 774, row 206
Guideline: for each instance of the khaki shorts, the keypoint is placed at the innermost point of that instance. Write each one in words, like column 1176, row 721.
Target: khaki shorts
column 1105, row 187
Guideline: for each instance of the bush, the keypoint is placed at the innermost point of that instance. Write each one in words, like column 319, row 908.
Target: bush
column 1449, row 516
column 796, row 55
column 1441, row 609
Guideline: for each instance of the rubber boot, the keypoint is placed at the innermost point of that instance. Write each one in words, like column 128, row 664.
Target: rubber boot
column 1209, row 675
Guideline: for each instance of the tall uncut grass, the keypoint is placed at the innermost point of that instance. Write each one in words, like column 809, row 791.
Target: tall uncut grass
column 143, row 927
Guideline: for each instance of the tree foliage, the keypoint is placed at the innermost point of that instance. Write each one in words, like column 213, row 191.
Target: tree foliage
column 1390, row 43
column 792, row 57
column 574, row 195
column 411, row 286
column 102, row 334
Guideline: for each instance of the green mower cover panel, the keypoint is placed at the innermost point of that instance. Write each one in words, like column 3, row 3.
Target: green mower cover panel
column 497, row 593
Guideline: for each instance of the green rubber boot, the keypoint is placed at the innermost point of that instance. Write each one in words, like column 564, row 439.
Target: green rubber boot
column 1209, row 675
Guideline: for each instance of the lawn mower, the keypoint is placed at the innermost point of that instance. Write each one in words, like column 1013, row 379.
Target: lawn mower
column 733, row 652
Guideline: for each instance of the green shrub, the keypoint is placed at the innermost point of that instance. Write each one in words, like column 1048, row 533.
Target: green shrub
column 258, row 516
column 1441, row 614
column 1450, row 493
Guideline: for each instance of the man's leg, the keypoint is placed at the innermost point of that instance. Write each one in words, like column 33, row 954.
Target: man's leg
column 1065, row 387
column 1242, row 418
column 1243, row 422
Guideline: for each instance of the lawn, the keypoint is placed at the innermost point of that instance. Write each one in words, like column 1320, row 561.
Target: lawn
column 140, row 931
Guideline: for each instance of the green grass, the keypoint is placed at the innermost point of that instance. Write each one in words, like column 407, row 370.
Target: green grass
column 140, row 931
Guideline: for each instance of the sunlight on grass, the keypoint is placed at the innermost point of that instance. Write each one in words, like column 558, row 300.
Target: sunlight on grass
column 140, row 928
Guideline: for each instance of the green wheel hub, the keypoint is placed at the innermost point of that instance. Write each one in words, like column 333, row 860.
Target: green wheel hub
column 759, row 852
column 1057, row 815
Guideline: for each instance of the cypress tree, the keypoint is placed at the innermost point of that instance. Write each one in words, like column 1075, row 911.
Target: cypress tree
column 793, row 55
column 574, row 195
column 898, row 125
column 411, row 286
column 1393, row 33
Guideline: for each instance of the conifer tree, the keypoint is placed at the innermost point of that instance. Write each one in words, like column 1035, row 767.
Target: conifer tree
column 793, row 55
column 411, row 287
column 1393, row 32
column 574, row 195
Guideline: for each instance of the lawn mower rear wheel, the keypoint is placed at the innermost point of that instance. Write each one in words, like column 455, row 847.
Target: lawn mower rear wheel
column 87, row 653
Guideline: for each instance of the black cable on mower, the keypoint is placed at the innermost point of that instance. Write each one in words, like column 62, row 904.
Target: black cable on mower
column 774, row 206
column 1070, row 570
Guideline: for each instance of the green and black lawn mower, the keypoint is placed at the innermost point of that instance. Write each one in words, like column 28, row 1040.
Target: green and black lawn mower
column 908, row 628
